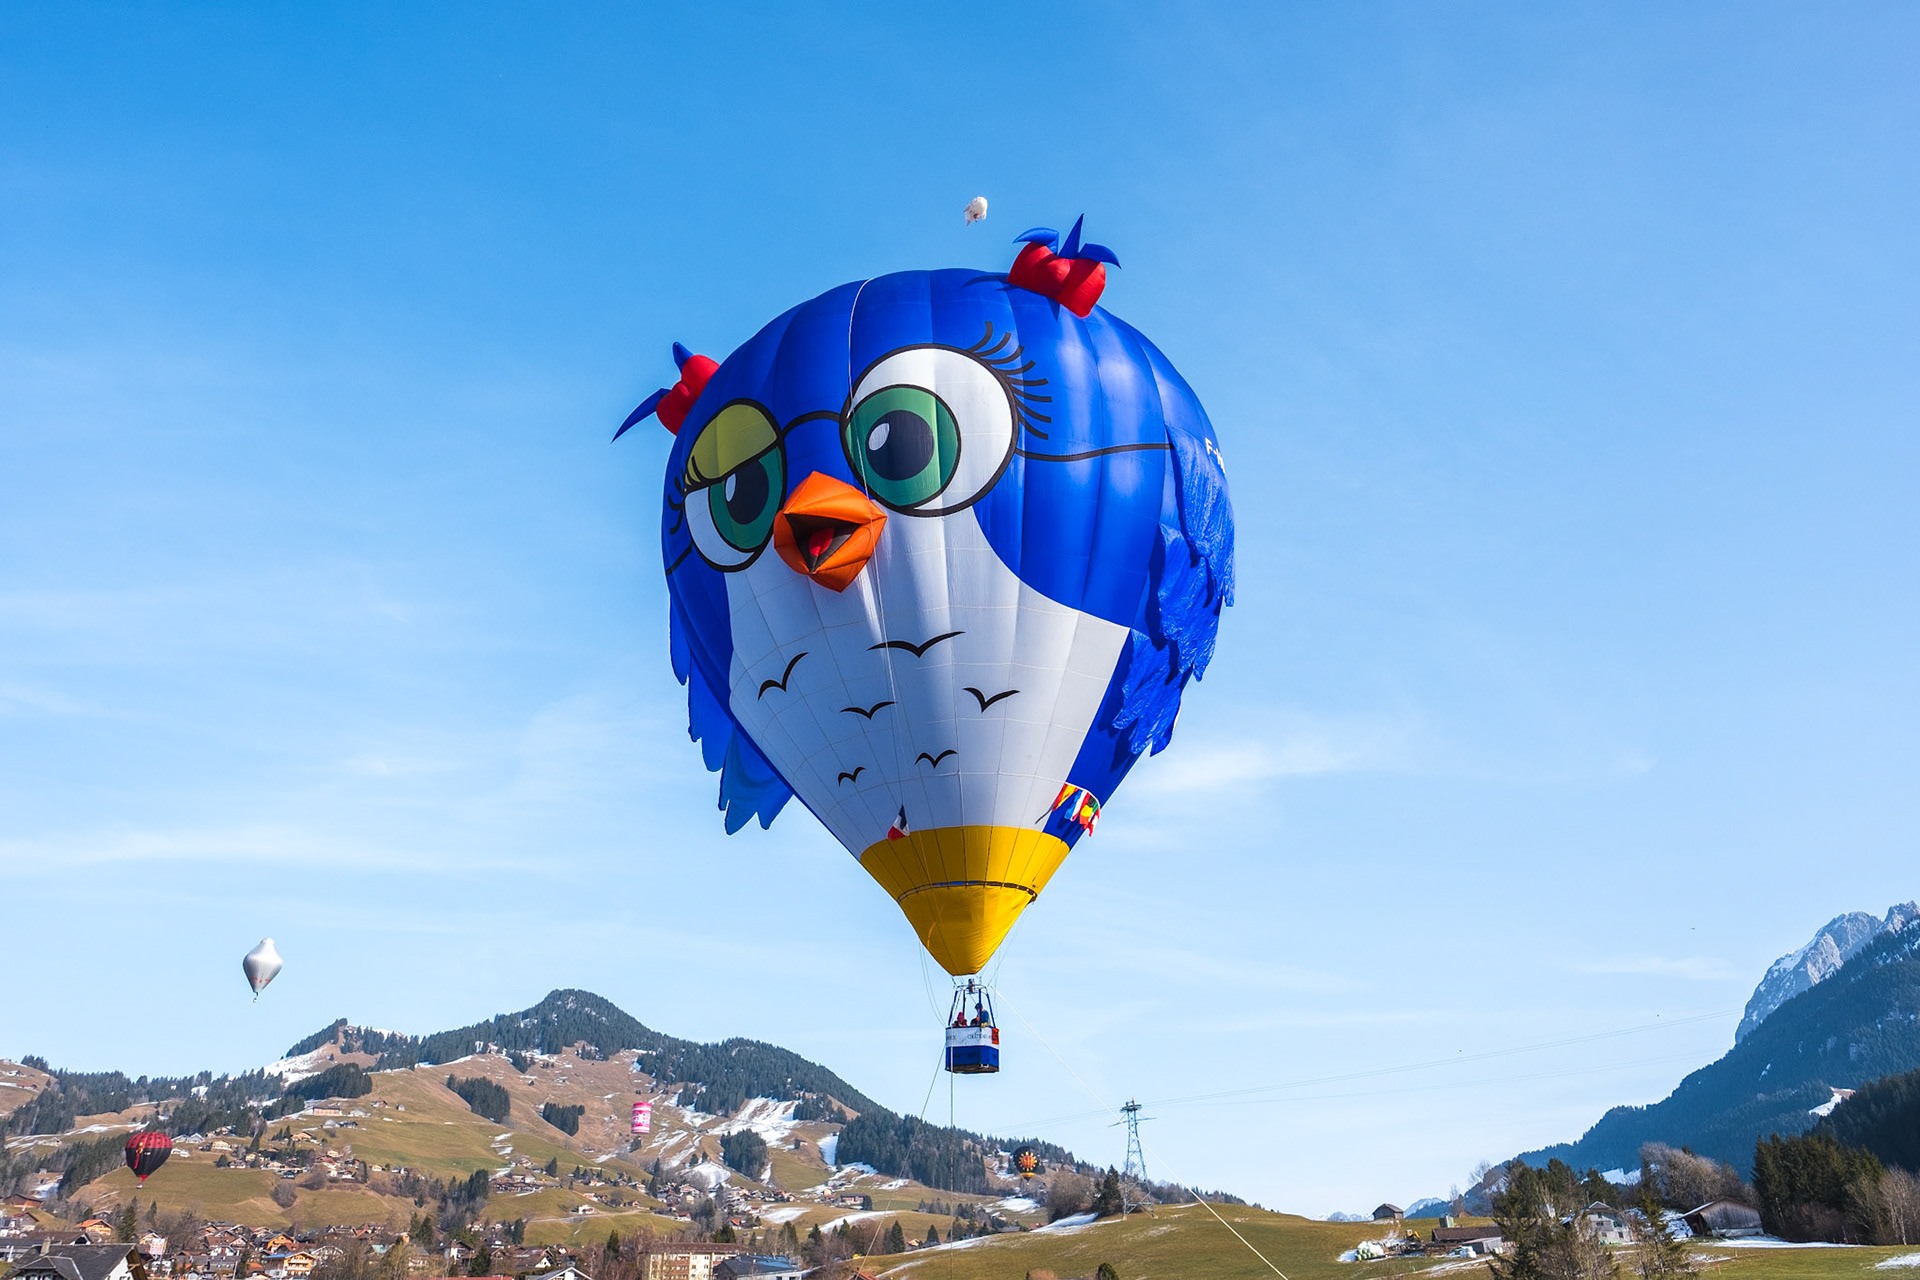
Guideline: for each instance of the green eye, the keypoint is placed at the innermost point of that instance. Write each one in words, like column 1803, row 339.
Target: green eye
column 743, row 502
column 903, row 445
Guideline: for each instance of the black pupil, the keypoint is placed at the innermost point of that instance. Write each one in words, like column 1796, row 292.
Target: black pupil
column 905, row 448
column 749, row 496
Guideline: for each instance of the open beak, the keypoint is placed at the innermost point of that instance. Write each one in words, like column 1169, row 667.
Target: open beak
column 828, row 531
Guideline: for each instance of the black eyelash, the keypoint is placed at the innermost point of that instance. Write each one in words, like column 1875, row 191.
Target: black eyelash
column 1006, row 366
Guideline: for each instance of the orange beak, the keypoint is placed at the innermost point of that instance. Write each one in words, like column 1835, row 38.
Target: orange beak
column 828, row 531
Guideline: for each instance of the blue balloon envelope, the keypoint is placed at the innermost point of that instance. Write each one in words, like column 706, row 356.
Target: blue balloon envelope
column 944, row 549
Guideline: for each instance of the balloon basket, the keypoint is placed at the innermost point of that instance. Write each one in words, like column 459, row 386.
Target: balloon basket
column 972, row 1033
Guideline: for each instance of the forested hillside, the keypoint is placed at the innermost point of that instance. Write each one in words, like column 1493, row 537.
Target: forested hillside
column 1859, row 1024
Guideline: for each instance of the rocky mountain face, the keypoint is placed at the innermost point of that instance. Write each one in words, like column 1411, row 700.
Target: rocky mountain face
column 1837, row 942
column 1857, row 1024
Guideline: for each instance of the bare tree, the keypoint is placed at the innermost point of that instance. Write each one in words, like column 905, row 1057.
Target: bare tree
column 1901, row 1191
column 1067, row 1194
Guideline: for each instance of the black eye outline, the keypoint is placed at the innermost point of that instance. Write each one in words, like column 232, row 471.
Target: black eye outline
column 695, row 509
column 1018, row 392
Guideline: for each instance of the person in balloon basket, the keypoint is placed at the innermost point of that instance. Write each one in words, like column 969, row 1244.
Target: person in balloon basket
column 943, row 550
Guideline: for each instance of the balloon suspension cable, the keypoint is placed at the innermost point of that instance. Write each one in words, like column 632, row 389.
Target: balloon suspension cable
column 1158, row 1159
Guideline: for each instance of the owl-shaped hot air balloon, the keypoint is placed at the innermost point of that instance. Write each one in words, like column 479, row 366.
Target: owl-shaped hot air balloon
column 944, row 549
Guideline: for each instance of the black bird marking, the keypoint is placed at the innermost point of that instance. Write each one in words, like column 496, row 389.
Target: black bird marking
column 935, row 760
column 868, row 712
column 781, row 683
column 984, row 700
column 854, row 776
column 917, row 650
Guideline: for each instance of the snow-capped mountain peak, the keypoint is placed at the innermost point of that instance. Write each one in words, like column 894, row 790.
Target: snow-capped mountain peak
column 1837, row 942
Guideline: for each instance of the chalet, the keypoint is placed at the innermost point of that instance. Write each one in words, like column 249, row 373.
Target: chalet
column 299, row 1264
column 1727, row 1218
column 81, row 1262
column 1609, row 1225
column 152, row 1245
column 1388, row 1213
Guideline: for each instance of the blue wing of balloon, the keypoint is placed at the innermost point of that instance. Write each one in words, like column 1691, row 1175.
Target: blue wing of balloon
column 749, row 786
column 1192, row 578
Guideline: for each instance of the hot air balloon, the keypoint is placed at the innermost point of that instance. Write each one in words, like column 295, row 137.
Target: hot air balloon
column 146, row 1152
column 1026, row 1162
column 943, row 549
column 260, row 966
column 976, row 210
column 642, row 1117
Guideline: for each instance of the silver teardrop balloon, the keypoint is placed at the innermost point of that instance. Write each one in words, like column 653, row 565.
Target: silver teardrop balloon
column 261, row 964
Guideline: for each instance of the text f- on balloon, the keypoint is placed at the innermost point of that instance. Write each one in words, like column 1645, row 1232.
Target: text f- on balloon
column 146, row 1152
column 943, row 549
column 260, row 966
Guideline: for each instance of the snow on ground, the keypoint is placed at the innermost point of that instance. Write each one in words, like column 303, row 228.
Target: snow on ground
column 295, row 1069
column 1904, row 1260
column 708, row 1174
column 1623, row 1177
column 1775, row 1242
column 829, row 1146
column 1826, row 1108
column 773, row 1121
column 895, row 1185
column 865, row 1215
column 1017, row 1204
column 779, row 1213
column 100, row 1128
column 1072, row 1223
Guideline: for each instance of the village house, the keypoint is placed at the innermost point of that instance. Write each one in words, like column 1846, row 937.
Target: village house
column 687, row 1261
column 1474, row 1239
column 1388, row 1213
column 1609, row 1225
column 80, row 1262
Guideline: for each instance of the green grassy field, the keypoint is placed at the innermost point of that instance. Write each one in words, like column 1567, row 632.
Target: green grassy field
column 1189, row 1244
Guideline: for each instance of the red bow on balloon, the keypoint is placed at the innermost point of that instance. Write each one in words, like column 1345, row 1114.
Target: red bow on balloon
column 1074, row 277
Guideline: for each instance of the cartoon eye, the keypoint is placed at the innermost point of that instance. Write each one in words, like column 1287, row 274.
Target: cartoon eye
column 735, row 479
column 930, row 430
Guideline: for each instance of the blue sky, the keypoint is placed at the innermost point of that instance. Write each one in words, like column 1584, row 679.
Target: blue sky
column 1565, row 361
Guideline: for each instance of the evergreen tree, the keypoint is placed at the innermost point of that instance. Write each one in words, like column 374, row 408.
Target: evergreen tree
column 1106, row 1272
column 482, row 1261
column 613, row 1243
column 1660, row 1253
column 1108, row 1203
column 896, row 1241
column 421, row 1232
column 127, row 1225
column 933, row 1236
column 725, row 1234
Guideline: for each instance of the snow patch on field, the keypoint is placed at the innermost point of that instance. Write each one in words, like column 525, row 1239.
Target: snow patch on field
column 829, row 1147
column 1904, row 1260
column 1775, row 1242
column 779, row 1213
column 1017, row 1204
column 295, row 1069
column 772, row 1121
column 865, row 1215
column 1074, row 1222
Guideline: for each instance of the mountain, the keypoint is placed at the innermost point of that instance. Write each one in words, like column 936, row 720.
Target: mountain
column 1858, row 1023
column 730, row 1085
column 1836, row 943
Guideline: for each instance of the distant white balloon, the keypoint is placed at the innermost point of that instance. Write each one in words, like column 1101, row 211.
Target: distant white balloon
column 260, row 966
column 976, row 210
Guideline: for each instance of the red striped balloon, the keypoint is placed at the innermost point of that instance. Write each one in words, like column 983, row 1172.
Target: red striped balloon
column 146, row 1152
